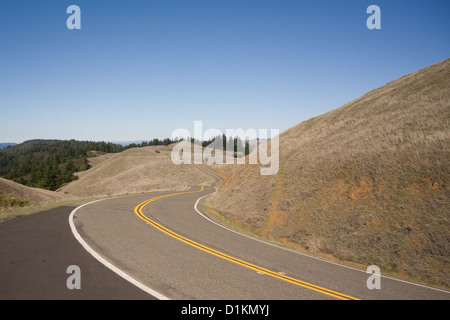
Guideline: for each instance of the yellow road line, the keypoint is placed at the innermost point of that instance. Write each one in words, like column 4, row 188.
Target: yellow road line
column 140, row 214
column 211, row 173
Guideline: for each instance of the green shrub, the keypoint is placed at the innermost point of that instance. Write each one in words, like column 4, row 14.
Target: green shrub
column 11, row 200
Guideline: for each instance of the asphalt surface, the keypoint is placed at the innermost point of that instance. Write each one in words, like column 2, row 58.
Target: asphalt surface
column 174, row 250
column 179, row 270
column 35, row 253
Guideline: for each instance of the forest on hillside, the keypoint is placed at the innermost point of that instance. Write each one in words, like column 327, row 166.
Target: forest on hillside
column 49, row 164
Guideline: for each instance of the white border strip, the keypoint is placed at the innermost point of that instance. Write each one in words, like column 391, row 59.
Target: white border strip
column 107, row 263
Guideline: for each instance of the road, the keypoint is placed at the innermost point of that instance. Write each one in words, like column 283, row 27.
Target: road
column 165, row 245
column 35, row 252
column 165, row 242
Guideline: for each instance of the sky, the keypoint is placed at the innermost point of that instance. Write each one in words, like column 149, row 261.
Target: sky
column 138, row 70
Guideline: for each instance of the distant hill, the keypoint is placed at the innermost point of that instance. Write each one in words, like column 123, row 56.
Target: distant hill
column 367, row 183
column 6, row 144
column 126, row 143
column 136, row 170
column 33, row 195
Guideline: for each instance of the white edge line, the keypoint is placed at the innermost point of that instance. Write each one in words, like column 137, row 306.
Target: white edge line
column 301, row 253
column 107, row 263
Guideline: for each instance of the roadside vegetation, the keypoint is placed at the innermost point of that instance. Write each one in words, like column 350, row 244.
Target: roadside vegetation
column 23, row 207
column 11, row 201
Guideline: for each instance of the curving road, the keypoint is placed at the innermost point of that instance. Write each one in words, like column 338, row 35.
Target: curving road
column 165, row 243
column 162, row 246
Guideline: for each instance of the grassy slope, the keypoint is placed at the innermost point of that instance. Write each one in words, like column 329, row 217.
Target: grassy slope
column 34, row 195
column 366, row 183
column 28, row 200
column 136, row 170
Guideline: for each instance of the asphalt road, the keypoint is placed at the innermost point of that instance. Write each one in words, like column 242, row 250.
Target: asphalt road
column 165, row 245
column 35, row 253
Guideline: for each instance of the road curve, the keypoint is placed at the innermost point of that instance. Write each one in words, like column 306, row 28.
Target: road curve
column 164, row 242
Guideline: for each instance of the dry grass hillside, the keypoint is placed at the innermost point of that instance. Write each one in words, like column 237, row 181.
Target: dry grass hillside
column 366, row 183
column 135, row 170
column 33, row 195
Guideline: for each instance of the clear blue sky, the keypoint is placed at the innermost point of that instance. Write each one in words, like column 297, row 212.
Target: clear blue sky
column 138, row 70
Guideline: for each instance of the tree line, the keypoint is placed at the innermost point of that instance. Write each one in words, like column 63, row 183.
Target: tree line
column 223, row 142
column 49, row 164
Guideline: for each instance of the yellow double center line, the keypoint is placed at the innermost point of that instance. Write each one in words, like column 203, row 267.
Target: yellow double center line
column 138, row 210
